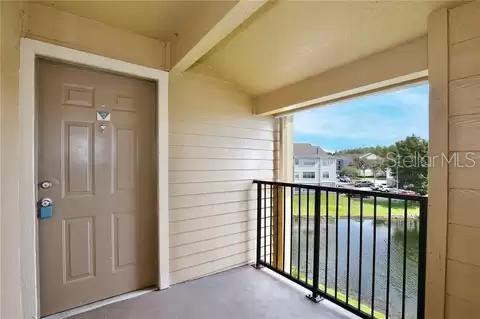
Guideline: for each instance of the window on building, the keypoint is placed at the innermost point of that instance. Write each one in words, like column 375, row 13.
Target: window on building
column 297, row 175
column 325, row 175
column 309, row 175
column 308, row 163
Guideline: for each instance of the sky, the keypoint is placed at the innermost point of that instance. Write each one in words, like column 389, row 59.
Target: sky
column 378, row 119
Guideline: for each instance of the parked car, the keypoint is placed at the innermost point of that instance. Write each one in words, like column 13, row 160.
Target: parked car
column 392, row 190
column 380, row 188
column 364, row 184
column 406, row 192
column 344, row 179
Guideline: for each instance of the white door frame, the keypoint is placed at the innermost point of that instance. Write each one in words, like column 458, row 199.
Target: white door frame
column 29, row 51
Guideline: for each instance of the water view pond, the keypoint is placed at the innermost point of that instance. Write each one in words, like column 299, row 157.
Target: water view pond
column 396, row 268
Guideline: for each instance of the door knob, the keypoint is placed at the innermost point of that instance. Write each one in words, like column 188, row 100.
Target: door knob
column 46, row 185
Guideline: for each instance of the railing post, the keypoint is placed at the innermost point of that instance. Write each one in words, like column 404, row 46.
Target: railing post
column 316, row 249
column 259, row 223
column 422, row 258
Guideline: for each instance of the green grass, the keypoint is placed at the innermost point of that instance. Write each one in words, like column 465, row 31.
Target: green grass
column 340, row 296
column 368, row 211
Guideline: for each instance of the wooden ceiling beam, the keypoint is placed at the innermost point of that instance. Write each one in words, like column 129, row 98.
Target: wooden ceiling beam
column 190, row 48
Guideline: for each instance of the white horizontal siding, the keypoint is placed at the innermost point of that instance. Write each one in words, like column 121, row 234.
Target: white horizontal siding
column 206, row 129
column 237, row 118
column 217, row 147
column 210, row 233
column 463, row 255
column 205, row 188
column 218, row 152
column 216, row 141
column 202, row 164
column 184, row 201
column 211, row 255
column 210, row 244
column 212, row 266
column 219, row 176
column 187, row 213
column 211, row 221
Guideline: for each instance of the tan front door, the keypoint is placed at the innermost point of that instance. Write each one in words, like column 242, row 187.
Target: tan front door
column 96, row 145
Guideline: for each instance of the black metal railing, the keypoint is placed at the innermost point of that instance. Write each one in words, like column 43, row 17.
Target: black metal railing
column 363, row 250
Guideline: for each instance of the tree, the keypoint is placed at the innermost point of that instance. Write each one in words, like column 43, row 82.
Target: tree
column 377, row 166
column 349, row 171
column 378, row 150
column 409, row 160
column 360, row 164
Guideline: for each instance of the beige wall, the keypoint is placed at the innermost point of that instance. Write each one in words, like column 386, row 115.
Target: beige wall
column 216, row 148
column 463, row 265
column 454, row 67
column 11, row 300
column 50, row 25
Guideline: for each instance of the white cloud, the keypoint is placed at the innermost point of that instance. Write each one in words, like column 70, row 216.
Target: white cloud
column 367, row 119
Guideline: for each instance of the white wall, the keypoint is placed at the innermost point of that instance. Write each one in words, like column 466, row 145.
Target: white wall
column 216, row 148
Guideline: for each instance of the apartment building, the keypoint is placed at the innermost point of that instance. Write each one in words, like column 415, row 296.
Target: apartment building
column 313, row 166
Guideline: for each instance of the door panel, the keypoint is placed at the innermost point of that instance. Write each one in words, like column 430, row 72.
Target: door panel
column 77, row 95
column 78, row 248
column 78, row 158
column 126, row 157
column 125, row 233
column 101, row 240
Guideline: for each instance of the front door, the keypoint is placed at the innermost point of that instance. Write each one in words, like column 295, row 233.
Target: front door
column 96, row 162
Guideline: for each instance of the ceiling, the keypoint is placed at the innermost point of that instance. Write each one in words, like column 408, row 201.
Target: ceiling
column 282, row 43
column 156, row 19
column 288, row 41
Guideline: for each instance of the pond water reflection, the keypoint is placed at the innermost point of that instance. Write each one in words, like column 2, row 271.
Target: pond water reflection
column 396, row 266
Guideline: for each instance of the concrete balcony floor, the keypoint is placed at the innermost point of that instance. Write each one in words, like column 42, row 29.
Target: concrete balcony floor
column 240, row 293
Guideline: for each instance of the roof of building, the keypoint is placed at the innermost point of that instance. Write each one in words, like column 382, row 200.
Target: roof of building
column 370, row 156
column 351, row 157
column 308, row 150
